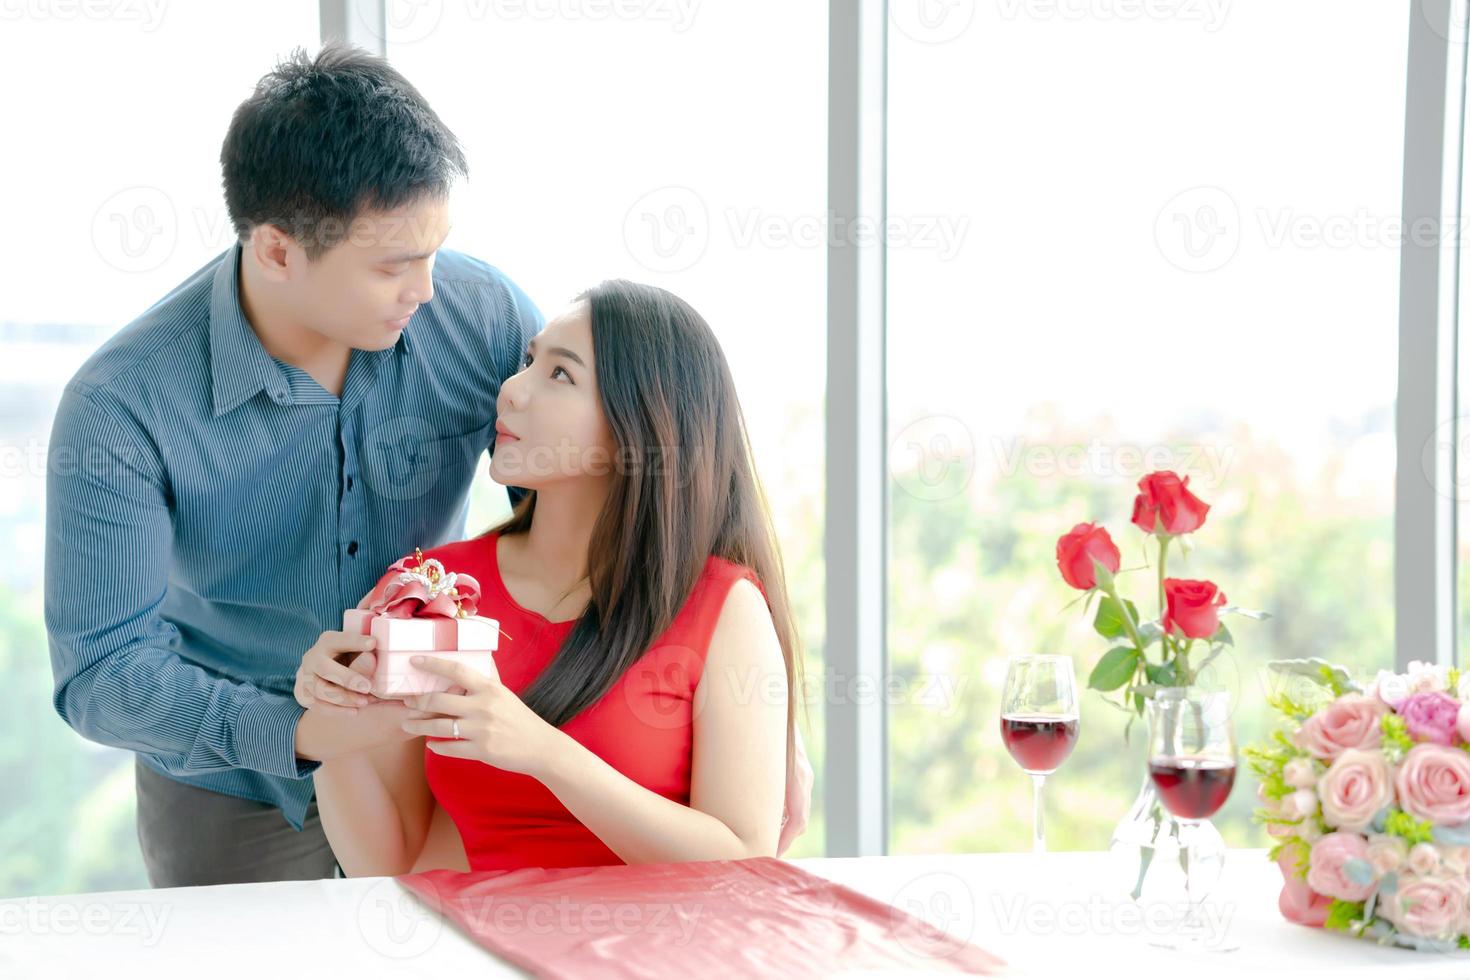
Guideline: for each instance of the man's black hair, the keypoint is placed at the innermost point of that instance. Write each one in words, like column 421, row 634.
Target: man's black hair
column 324, row 139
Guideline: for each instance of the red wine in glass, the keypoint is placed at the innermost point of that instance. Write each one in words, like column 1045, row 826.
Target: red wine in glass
column 1037, row 742
column 1191, row 765
column 1038, row 722
column 1193, row 789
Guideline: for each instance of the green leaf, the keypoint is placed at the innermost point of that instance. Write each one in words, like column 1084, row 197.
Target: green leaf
column 1103, row 574
column 1396, row 733
column 1199, row 668
column 1149, row 633
column 1341, row 915
column 1247, row 613
column 1289, row 707
column 1109, row 621
column 1411, row 829
column 1145, row 856
column 1114, row 669
column 1160, row 674
column 1222, row 637
column 1337, row 680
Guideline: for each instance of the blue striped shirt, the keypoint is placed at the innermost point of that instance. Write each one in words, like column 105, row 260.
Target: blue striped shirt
column 210, row 510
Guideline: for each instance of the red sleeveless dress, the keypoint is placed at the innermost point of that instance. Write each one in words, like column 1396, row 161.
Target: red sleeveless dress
column 643, row 726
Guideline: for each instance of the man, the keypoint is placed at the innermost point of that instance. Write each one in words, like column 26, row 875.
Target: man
column 240, row 464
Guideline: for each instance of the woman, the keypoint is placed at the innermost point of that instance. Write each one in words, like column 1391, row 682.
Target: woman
column 640, row 709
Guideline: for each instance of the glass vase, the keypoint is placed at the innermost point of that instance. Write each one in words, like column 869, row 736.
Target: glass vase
column 1160, row 859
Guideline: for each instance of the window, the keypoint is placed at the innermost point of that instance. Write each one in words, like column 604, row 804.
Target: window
column 1118, row 238
column 114, row 118
column 644, row 146
column 1157, row 242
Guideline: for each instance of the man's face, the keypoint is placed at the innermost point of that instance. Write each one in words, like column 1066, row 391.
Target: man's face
column 363, row 291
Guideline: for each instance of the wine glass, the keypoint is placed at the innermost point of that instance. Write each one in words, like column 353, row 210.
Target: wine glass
column 1039, row 722
column 1191, row 760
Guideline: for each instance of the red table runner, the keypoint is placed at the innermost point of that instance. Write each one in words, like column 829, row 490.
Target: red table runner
column 755, row 917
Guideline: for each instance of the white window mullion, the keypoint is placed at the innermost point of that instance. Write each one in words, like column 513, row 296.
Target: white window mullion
column 1427, row 427
column 856, row 785
column 360, row 22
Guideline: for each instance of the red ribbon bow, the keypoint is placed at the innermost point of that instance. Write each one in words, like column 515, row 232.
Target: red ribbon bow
column 418, row 587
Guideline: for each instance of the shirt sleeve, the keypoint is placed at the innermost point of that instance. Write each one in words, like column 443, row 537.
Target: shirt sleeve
column 119, row 678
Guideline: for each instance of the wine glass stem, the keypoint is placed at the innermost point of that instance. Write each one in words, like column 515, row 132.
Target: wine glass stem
column 1187, row 830
column 1038, row 823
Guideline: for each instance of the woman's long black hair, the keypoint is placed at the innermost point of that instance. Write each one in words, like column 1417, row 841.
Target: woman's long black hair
column 685, row 489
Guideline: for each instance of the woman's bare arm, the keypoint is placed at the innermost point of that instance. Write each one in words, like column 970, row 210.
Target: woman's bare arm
column 739, row 768
column 376, row 807
column 372, row 794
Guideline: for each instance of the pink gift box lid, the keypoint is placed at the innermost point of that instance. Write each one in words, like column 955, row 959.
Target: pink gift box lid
column 425, row 633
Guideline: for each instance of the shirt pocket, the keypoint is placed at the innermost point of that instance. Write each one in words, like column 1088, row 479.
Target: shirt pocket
column 414, row 467
column 451, row 452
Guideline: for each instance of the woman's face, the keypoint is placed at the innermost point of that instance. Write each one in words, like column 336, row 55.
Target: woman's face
column 551, row 427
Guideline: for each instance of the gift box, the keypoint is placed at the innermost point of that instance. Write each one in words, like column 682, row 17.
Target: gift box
column 419, row 608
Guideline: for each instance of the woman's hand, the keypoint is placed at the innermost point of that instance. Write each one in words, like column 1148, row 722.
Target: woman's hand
column 798, row 807
column 335, row 674
column 494, row 725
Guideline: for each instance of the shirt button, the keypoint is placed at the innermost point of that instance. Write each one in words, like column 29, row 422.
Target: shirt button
column 352, row 549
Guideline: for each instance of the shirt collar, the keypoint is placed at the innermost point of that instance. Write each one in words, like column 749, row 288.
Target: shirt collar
column 239, row 364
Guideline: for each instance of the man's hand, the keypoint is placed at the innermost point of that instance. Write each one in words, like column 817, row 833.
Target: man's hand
column 336, row 673
column 321, row 736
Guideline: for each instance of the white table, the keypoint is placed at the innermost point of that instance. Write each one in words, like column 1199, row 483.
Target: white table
column 1056, row 915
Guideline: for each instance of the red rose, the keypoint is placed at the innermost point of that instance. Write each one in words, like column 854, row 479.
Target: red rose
column 1166, row 505
column 1076, row 550
column 1193, row 607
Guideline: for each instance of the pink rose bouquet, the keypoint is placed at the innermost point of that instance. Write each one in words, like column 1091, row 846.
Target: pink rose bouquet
column 1367, row 793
